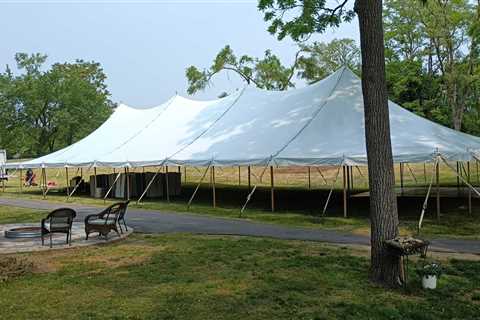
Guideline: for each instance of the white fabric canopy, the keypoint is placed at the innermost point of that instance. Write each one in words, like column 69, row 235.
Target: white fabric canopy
column 321, row 124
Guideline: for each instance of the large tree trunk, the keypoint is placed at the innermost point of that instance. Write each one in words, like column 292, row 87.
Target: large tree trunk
column 385, row 268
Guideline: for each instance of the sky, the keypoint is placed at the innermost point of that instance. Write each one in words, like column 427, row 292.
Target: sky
column 144, row 46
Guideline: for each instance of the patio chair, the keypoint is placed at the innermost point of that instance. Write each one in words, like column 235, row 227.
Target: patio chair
column 107, row 220
column 58, row 221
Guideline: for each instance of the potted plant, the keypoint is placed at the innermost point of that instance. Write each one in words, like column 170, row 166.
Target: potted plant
column 429, row 273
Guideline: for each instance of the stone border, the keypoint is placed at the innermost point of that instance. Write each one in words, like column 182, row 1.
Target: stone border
column 20, row 245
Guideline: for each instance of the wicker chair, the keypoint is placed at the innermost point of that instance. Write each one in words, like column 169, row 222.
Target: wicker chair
column 58, row 221
column 107, row 220
column 121, row 217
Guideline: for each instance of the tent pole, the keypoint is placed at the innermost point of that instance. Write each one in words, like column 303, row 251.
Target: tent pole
column 458, row 179
column 249, row 179
column 425, row 171
column 351, row 178
column 437, row 173
column 469, row 190
column 476, row 165
column 344, row 192
column 239, row 176
column 348, row 180
column 125, row 190
column 198, row 186
column 21, row 181
column 68, row 183
column 94, row 181
column 44, row 172
column 401, row 178
column 272, row 189
column 309, row 179
column 185, row 174
column 167, row 184
column 214, row 196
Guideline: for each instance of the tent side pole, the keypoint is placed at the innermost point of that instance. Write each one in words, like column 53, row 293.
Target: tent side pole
column 309, row 179
column 185, row 174
column 21, row 181
column 469, row 190
column 351, row 178
column 249, row 179
column 44, row 174
column 458, row 179
column 344, row 192
column 214, row 196
column 239, row 176
column 272, row 189
column 167, row 184
column 476, row 165
column 125, row 190
column 425, row 172
column 67, row 180
column 437, row 173
column 198, row 186
column 401, row 178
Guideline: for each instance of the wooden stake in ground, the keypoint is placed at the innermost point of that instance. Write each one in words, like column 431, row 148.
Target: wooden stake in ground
column 272, row 189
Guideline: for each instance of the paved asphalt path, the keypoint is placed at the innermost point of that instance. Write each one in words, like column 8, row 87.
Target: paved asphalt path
column 151, row 221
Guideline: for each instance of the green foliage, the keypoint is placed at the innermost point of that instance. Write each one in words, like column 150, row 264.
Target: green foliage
column 312, row 63
column 313, row 16
column 267, row 72
column 46, row 110
column 430, row 269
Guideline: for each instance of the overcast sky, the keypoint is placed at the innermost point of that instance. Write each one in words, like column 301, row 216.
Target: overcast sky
column 144, row 46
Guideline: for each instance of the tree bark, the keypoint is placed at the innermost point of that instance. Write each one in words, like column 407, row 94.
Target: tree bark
column 385, row 268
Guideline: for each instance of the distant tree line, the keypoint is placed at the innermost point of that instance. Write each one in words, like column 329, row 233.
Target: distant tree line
column 432, row 61
column 45, row 109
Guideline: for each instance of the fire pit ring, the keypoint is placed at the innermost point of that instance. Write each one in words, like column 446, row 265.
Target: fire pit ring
column 23, row 232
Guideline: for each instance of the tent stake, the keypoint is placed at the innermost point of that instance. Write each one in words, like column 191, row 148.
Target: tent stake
column 166, row 184
column 198, row 186
column 67, row 180
column 344, row 192
column 437, row 173
column 309, row 179
column 272, row 189
column 214, row 199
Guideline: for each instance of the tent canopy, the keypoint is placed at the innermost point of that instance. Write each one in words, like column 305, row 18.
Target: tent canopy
column 321, row 124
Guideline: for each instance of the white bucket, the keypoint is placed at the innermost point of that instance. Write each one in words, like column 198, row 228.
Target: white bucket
column 429, row 282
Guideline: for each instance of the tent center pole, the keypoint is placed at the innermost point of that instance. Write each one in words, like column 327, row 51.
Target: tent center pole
column 272, row 189
column 167, row 187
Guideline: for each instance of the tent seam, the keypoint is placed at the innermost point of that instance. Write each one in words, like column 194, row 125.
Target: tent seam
column 315, row 114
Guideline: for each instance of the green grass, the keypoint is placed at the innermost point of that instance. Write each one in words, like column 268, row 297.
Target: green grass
column 198, row 277
column 19, row 215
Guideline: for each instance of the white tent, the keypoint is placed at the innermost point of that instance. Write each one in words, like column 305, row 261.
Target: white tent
column 321, row 124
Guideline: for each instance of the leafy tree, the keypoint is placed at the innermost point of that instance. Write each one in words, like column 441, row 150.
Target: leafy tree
column 312, row 16
column 51, row 109
column 312, row 62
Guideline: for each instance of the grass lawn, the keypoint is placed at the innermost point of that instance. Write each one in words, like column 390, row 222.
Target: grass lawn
column 184, row 276
column 19, row 215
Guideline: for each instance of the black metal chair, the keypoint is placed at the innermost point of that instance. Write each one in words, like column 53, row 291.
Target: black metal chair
column 107, row 220
column 58, row 221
